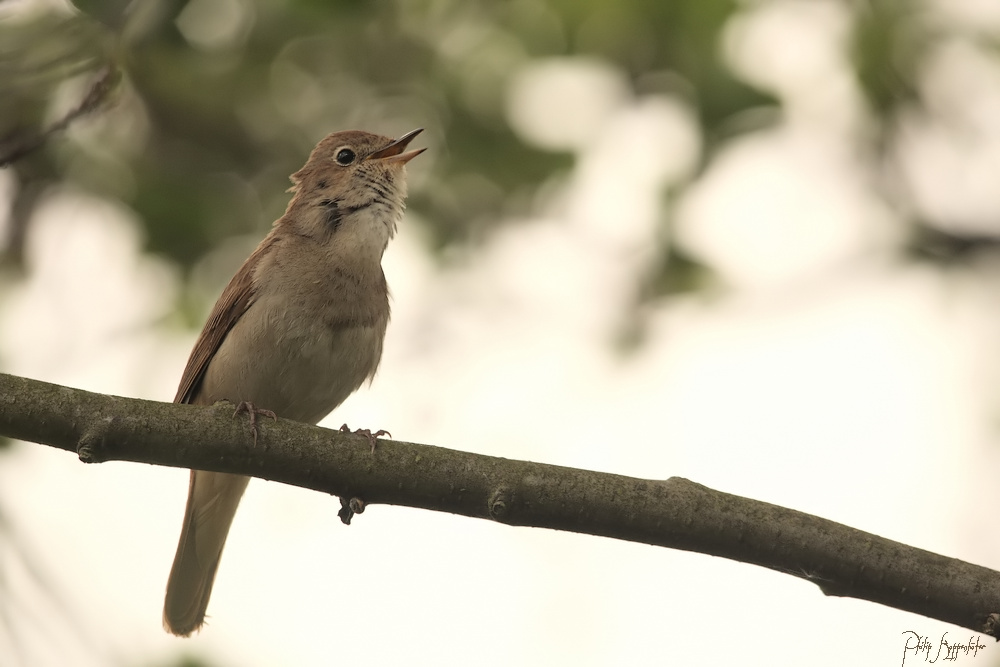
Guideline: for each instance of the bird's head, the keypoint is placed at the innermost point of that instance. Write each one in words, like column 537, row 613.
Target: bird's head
column 351, row 173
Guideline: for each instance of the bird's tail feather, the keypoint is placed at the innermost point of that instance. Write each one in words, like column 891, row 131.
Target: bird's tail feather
column 212, row 501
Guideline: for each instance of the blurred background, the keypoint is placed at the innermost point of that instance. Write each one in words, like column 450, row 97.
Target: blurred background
column 752, row 243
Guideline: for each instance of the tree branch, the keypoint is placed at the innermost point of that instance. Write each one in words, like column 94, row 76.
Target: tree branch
column 15, row 148
column 674, row 513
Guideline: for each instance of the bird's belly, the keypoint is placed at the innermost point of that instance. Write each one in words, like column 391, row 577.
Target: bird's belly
column 292, row 362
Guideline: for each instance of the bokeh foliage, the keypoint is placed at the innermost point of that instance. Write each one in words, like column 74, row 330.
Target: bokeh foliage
column 215, row 103
column 212, row 123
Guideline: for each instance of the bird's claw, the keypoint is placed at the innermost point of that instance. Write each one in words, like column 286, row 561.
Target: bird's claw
column 252, row 411
column 372, row 437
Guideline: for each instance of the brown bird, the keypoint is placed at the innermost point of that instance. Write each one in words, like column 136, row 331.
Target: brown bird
column 297, row 330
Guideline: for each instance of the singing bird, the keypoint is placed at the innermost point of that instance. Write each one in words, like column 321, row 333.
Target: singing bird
column 296, row 331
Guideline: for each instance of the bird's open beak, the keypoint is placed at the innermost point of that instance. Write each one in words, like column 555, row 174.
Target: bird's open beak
column 394, row 151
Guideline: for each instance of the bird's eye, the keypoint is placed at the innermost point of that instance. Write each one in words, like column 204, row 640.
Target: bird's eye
column 345, row 156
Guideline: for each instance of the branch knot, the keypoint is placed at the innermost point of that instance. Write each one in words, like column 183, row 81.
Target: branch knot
column 499, row 504
column 92, row 443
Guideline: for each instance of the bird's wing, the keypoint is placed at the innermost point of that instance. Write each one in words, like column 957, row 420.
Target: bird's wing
column 235, row 300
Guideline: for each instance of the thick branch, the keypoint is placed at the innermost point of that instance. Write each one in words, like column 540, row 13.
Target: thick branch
column 672, row 513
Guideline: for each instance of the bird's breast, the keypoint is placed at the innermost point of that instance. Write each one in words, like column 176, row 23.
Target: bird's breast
column 296, row 356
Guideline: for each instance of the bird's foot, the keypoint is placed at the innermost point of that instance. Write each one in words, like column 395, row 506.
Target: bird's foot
column 252, row 411
column 372, row 437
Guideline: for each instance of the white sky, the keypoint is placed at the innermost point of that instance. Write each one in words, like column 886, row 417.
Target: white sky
column 827, row 378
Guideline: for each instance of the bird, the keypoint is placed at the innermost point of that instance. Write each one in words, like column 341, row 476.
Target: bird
column 296, row 331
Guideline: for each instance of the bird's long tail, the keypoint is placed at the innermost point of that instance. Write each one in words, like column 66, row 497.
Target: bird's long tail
column 212, row 501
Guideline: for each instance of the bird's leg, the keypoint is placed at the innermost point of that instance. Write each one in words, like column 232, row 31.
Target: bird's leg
column 372, row 437
column 252, row 411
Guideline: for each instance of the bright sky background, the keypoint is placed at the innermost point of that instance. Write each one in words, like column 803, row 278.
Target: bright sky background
column 827, row 376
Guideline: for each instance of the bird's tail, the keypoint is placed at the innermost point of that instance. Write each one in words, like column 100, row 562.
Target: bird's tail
column 212, row 501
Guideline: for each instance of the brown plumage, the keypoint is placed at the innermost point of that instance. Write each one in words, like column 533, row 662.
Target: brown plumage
column 295, row 332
